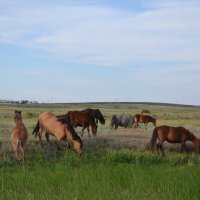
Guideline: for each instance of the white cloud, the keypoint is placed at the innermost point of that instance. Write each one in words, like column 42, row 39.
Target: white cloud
column 110, row 36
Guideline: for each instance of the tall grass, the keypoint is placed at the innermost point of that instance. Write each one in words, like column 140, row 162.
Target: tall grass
column 104, row 174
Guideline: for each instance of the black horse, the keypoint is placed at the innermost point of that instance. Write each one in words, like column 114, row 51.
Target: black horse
column 95, row 114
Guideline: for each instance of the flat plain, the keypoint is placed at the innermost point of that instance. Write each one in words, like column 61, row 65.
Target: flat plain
column 116, row 164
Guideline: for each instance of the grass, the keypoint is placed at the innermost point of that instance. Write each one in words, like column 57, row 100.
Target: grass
column 105, row 171
column 105, row 174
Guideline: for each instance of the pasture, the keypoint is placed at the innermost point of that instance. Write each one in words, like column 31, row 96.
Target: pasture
column 115, row 163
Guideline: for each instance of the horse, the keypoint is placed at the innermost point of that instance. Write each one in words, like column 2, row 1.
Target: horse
column 121, row 120
column 19, row 136
column 145, row 112
column 79, row 118
column 96, row 114
column 144, row 119
column 172, row 135
column 62, row 130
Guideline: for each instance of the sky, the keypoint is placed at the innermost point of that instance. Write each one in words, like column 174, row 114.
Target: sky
column 100, row 51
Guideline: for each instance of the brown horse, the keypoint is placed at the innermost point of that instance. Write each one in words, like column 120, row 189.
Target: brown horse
column 144, row 119
column 95, row 114
column 172, row 135
column 79, row 118
column 62, row 130
column 145, row 112
column 19, row 136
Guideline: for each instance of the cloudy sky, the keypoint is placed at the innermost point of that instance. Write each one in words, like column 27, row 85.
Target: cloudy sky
column 100, row 50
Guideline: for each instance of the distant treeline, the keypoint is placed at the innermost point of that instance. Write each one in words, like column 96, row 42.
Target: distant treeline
column 97, row 103
column 18, row 102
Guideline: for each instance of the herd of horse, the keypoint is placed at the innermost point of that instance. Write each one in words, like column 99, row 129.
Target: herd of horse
column 62, row 127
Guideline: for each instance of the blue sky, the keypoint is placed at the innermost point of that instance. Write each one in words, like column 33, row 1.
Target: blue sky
column 103, row 50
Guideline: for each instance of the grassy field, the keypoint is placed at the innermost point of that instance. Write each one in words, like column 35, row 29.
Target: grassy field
column 105, row 171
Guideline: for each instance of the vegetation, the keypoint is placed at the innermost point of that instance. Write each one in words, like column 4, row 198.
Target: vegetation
column 105, row 171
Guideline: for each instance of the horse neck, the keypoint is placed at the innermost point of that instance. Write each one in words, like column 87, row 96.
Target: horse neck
column 18, row 121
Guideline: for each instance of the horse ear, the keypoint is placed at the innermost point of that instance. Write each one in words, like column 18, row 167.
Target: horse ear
column 15, row 111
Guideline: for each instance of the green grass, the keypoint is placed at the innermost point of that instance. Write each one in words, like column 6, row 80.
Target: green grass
column 105, row 174
column 104, row 171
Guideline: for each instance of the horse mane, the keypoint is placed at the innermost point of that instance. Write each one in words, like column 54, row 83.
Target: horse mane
column 151, row 117
column 71, row 129
column 188, row 131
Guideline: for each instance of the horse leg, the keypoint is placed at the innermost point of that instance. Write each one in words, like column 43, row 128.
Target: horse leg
column 22, row 154
column 183, row 146
column 88, row 129
column 159, row 147
column 145, row 126
column 47, row 137
column 82, row 131
column 136, row 125
column 40, row 135
column 58, row 143
column 67, row 144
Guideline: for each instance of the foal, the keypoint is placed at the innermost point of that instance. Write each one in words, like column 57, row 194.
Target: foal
column 19, row 136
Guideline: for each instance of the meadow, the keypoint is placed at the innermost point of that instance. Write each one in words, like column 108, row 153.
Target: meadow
column 115, row 163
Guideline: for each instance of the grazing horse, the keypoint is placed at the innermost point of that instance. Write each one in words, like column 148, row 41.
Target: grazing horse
column 79, row 118
column 62, row 130
column 19, row 136
column 172, row 135
column 144, row 119
column 96, row 114
column 121, row 120
column 145, row 112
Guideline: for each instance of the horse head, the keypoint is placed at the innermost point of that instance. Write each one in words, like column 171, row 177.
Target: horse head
column 78, row 146
column 17, row 115
column 100, row 116
column 154, row 120
column 197, row 145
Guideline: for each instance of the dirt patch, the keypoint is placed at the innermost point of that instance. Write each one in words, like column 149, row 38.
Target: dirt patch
column 119, row 139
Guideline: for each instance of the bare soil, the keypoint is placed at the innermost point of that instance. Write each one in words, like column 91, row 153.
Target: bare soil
column 122, row 138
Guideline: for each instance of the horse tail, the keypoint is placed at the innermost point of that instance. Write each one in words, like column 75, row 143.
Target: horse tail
column 36, row 130
column 19, row 150
column 153, row 138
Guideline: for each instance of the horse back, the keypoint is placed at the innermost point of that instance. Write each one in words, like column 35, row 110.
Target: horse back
column 172, row 134
column 19, row 133
column 51, row 124
column 80, row 118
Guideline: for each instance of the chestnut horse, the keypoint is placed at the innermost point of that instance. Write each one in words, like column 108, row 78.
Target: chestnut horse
column 144, row 119
column 96, row 114
column 19, row 136
column 79, row 118
column 172, row 135
column 62, row 130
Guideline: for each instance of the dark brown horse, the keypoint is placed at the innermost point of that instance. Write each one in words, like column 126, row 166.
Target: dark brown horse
column 172, row 135
column 62, row 130
column 19, row 136
column 145, row 112
column 79, row 118
column 95, row 114
column 144, row 119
